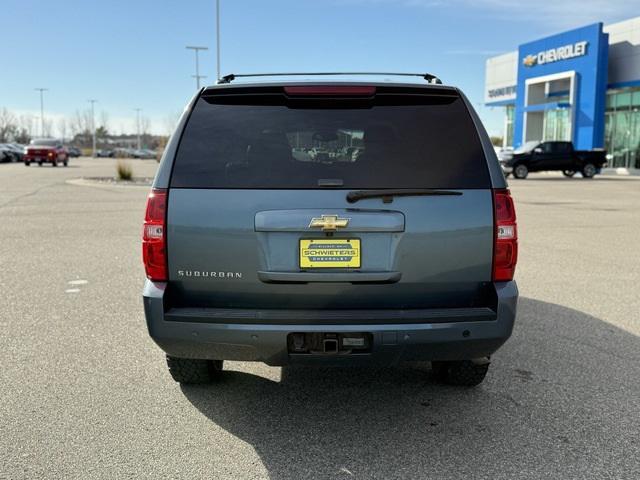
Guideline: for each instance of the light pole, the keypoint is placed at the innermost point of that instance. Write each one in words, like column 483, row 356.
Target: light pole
column 138, row 125
column 197, row 76
column 217, row 39
column 41, row 90
column 93, row 126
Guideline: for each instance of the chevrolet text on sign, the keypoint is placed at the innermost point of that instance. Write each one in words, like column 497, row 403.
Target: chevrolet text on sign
column 565, row 52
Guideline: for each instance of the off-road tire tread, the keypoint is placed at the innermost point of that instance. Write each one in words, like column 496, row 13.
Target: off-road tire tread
column 466, row 373
column 194, row 371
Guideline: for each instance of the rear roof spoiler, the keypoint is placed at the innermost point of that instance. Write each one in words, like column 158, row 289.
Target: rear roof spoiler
column 426, row 76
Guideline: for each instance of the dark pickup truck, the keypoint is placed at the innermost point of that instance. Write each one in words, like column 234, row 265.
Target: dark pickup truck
column 538, row 156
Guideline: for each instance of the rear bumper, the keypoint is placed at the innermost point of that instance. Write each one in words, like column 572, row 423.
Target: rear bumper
column 35, row 158
column 461, row 335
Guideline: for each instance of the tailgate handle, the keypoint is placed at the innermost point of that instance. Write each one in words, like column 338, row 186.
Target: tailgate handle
column 332, row 277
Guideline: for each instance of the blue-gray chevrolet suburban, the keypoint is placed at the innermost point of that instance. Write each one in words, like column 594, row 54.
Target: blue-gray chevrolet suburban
column 330, row 222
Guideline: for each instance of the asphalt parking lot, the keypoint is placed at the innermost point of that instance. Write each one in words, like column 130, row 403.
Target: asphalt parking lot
column 85, row 393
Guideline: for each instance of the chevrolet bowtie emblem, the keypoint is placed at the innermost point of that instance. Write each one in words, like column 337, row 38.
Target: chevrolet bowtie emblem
column 530, row 60
column 329, row 223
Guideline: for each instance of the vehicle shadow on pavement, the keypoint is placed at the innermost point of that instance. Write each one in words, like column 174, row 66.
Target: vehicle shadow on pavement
column 561, row 400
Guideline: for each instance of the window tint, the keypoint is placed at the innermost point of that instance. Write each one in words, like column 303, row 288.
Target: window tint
column 254, row 143
column 44, row 142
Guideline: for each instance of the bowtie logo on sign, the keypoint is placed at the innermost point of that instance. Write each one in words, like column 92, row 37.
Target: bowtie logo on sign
column 565, row 52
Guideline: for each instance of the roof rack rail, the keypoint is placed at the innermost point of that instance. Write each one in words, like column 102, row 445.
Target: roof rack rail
column 232, row 76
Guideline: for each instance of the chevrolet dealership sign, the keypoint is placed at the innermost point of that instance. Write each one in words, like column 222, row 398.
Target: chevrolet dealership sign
column 565, row 52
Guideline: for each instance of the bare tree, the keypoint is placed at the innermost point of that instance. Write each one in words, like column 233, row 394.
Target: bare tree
column 171, row 122
column 81, row 123
column 27, row 122
column 104, row 121
column 145, row 123
column 62, row 128
column 8, row 125
column 26, row 128
column 48, row 128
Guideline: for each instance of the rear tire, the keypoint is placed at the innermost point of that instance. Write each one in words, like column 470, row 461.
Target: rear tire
column 520, row 171
column 569, row 173
column 465, row 373
column 589, row 170
column 26, row 164
column 194, row 371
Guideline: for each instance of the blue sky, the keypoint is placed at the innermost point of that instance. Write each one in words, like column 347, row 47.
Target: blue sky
column 130, row 54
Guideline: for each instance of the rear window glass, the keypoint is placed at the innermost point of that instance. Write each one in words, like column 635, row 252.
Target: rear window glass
column 44, row 142
column 427, row 142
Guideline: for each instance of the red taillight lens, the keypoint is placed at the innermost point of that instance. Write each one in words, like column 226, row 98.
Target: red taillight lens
column 505, row 250
column 331, row 90
column 154, row 254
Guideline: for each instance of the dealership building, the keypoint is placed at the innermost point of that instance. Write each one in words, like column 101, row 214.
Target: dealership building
column 582, row 85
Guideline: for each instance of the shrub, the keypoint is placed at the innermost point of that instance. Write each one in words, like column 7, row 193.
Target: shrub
column 124, row 170
column 496, row 141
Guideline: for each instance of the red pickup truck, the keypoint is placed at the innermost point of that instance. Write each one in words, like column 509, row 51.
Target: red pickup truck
column 46, row 150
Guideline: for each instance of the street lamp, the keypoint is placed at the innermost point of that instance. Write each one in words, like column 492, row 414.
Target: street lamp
column 93, row 125
column 197, row 76
column 41, row 90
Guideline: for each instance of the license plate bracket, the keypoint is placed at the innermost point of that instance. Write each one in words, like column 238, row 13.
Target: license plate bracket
column 329, row 253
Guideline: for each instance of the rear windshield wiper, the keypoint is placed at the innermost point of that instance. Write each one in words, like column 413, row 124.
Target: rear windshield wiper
column 388, row 194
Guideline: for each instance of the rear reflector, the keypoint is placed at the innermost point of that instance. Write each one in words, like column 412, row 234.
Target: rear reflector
column 331, row 90
column 505, row 251
column 154, row 253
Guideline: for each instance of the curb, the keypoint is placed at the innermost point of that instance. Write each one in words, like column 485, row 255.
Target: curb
column 87, row 182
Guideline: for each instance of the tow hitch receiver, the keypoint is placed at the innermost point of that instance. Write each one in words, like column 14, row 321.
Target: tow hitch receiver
column 319, row 343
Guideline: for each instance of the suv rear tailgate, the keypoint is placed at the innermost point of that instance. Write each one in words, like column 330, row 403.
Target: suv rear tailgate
column 254, row 171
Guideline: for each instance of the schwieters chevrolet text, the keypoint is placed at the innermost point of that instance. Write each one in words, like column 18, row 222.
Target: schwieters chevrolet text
column 330, row 222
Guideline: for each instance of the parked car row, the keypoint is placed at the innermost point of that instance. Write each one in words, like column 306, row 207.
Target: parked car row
column 74, row 152
column 138, row 153
column 126, row 153
column 51, row 150
column 105, row 153
column 15, row 152
column 11, row 152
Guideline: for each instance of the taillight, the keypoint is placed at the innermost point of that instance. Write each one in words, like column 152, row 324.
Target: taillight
column 505, row 249
column 154, row 254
